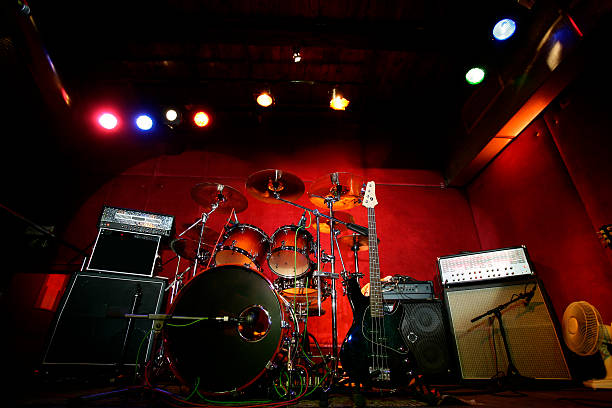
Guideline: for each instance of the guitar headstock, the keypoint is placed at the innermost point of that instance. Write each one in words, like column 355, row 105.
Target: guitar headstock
column 369, row 197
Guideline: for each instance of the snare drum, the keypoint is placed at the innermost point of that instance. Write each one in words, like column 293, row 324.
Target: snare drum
column 290, row 253
column 243, row 244
column 303, row 290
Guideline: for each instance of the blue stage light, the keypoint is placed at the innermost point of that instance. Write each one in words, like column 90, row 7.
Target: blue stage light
column 504, row 29
column 144, row 122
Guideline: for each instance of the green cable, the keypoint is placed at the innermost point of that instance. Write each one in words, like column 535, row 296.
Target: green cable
column 138, row 351
column 187, row 324
column 195, row 389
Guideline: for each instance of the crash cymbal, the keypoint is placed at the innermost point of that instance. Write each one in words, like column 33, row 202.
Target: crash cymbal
column 342, row 189
column 342, row 216
column 206, row 194
column 188, row 249
column 263, row 184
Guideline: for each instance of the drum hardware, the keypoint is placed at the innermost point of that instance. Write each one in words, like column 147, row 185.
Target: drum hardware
column 335, row 191
column 354, row 244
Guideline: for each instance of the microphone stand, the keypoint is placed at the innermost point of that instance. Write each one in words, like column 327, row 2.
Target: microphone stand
column 512, row 374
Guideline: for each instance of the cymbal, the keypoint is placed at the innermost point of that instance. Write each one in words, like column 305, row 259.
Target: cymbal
column 342, row 216
column 263, row 184
column 350, row 243
column 206, row 194
column 209, row 235
column 188, row 248
column 343, row 189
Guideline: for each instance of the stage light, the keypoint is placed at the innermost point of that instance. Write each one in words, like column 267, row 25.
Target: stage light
column 297, row 55
column 201, row 119
column 265, row 99
column 504, row 29
column 108, row 121
column 475, row 76
column 171, row 115
column 338, row 101
column 144, row 122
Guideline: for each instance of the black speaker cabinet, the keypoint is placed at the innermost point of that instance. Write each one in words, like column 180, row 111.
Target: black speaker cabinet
column 425, row 332
column 129, row 252
column 90, row 328
column 531, row 331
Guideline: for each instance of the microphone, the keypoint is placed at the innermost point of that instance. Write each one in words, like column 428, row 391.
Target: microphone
column 302, row 222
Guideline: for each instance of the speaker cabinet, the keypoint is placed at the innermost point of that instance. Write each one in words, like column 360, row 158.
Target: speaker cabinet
column 90, row 328
column 425, row 333
column 530, row 329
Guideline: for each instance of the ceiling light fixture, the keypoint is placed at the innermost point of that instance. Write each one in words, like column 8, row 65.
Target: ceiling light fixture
column 201, row 119
column 475, row 76
column 297, row 55
column 504, row 29
column 338, row 101
column 144, row 122
column 108, row 121
column 171, row 115
column 265, row 98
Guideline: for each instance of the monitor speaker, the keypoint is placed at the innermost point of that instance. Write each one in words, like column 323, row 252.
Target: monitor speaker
column 90, row 328
column 425, row 332
column 531, row 331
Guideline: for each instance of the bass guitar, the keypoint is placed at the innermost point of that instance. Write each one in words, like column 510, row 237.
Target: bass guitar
column 373, row 352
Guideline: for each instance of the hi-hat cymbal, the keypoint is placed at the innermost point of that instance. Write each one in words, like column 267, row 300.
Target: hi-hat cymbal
column 264, row 184
column 188, row 248
column 207, row 194
column 342, row 216
column 342, row 189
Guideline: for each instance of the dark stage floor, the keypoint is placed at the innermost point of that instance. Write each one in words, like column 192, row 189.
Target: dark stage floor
column 54, row 394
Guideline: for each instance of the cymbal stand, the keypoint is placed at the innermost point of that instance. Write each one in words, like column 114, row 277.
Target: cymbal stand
column 356, row 256
column 334, row 298
column 202, row 221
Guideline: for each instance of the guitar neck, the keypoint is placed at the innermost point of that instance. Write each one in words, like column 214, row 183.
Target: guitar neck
column 376, row 300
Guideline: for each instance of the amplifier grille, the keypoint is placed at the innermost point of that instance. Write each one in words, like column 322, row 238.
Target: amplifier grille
column 534, row 345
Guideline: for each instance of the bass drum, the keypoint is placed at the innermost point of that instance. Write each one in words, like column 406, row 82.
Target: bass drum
column 225, row 356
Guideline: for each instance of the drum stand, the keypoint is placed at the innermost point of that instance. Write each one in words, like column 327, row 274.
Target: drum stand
column 328, row 258
column 178, row 276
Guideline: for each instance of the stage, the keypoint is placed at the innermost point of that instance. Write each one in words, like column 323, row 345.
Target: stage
column 72, row 395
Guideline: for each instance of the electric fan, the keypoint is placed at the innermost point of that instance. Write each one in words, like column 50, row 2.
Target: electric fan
column 584, row 333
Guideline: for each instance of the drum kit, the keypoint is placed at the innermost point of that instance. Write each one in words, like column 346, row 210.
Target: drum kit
column 256, row 324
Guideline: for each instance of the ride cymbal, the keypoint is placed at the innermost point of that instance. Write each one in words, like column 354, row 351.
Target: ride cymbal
column 343, row 190
column 207, row 194
column 264, row 184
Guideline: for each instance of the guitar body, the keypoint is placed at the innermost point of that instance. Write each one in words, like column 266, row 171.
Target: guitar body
column 374, row 365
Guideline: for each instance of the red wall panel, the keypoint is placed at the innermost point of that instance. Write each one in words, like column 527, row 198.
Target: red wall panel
column 526, row 196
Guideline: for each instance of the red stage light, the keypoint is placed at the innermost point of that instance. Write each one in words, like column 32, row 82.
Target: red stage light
column 108, row 120
column 201, row 119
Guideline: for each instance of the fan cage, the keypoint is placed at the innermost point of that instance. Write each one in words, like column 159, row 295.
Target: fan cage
column 586, row 341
